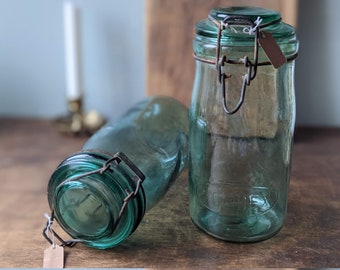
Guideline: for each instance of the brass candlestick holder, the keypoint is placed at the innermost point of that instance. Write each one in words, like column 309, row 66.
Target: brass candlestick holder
column 76, row 122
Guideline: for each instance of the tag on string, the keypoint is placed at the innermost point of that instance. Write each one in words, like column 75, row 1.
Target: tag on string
column 54, row 257
column 271, row 49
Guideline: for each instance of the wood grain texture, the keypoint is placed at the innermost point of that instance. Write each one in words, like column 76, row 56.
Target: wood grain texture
column 31, row 149
column 169, row 34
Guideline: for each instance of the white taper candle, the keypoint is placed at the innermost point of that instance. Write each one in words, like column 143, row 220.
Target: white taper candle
column 72, row 51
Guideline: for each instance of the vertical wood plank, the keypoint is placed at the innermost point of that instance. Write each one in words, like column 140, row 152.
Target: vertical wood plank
column 169, row 34
column 288, row 11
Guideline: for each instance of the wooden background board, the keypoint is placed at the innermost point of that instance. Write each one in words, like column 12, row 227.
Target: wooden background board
column 169, row 34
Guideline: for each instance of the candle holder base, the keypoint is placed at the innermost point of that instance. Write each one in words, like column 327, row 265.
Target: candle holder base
column 76, row 123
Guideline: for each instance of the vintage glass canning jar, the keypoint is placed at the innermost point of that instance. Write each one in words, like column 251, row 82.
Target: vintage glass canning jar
column 99, row 195
column 242, row 117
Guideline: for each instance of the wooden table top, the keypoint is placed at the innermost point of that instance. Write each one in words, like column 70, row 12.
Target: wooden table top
column 31, row 149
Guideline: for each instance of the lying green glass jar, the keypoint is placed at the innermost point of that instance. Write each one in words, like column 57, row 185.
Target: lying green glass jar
column 99, row 195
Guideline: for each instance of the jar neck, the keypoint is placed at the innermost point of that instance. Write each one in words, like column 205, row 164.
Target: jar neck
column 97, row 198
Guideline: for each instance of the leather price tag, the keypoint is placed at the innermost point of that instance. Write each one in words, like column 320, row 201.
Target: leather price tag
column 54, row 257
column 271, row 49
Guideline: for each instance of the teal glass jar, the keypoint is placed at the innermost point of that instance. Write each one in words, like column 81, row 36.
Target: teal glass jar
column 242, row 117
column 99, row 195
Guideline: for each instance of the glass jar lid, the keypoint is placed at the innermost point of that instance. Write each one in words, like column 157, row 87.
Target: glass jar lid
column 237, row 29
column 234, row 31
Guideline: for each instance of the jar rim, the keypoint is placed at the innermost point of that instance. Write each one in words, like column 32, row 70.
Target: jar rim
column 267, row 15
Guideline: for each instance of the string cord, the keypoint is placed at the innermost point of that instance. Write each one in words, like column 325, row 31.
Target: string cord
column 252, row 30
column 49, row 231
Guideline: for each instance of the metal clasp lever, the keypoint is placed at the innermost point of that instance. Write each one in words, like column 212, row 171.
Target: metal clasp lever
column 221, row 60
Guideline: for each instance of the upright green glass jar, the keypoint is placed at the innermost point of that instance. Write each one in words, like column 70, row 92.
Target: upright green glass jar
column 242, row 118
column 99, row 195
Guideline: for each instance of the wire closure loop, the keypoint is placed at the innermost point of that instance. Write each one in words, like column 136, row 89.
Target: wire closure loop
column 138, row 178
column 50, row 234
column 229, row 21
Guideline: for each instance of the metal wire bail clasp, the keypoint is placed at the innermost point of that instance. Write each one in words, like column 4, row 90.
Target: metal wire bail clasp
column 250, row 27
